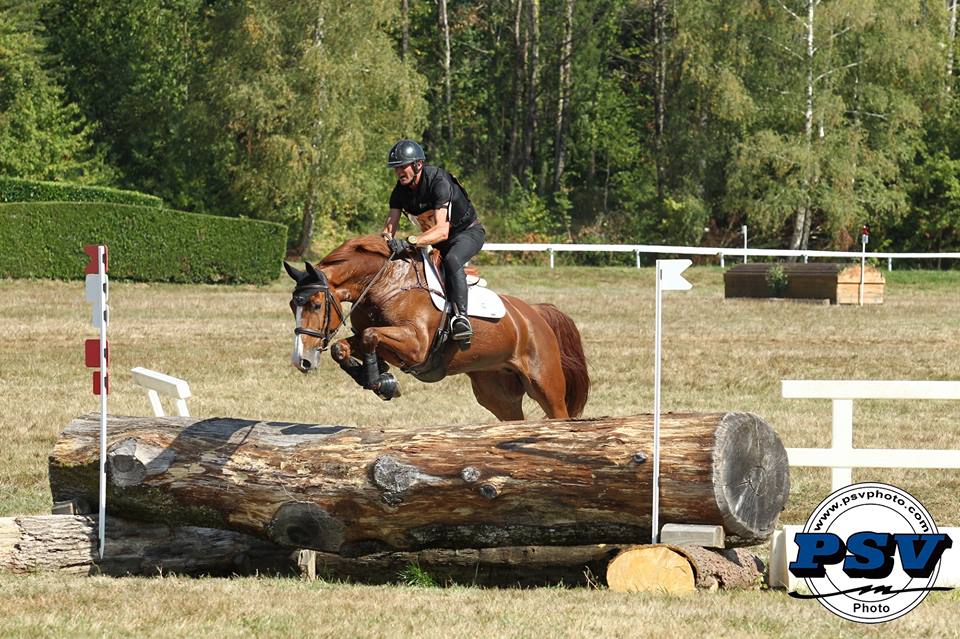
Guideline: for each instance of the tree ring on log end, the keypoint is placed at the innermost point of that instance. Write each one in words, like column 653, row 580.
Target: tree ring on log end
column 302, row 524
column 751, row 476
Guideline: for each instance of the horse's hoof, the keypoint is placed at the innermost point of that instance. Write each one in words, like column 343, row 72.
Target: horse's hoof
column 387, row 387
column 336, row 352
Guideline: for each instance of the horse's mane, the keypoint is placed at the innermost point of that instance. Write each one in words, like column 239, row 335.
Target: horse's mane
column 369, row 244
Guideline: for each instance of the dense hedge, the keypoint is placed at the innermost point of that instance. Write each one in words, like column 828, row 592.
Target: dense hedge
column 46, row 239
column 17, row 190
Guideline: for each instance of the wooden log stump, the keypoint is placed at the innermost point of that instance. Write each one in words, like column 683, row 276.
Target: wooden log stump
column 69, row 544
column 356, row 491
column 683, row 569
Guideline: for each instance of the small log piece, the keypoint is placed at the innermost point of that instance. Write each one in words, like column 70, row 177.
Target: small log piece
column 683, row 569
column 69, row 544
column 357, row 491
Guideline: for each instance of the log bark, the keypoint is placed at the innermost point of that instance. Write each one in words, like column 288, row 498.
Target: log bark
column 509, row 567
column 357, row 491
column 69, row 544
column 683, row 569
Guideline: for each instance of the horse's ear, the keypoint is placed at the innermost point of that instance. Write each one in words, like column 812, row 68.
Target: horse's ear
column 297, row 275
column 313, row 272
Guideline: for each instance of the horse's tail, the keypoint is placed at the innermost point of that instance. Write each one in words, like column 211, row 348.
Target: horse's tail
column 572, row 359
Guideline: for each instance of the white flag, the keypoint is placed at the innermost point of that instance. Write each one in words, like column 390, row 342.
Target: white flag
column 670, row 278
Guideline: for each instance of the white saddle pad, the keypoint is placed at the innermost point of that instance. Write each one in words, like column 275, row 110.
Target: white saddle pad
column 481, row 301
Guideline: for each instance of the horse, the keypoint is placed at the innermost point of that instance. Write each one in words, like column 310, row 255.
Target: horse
column 533, row 349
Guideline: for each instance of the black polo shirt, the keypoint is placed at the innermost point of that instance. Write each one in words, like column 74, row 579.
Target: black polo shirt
column 436, row 188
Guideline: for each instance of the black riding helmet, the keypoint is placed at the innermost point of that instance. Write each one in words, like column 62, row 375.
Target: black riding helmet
column 405, row 152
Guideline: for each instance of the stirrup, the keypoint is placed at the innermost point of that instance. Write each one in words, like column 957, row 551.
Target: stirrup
column 460, row 329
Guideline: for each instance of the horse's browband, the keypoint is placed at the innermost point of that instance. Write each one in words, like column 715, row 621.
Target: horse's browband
column 302, row 295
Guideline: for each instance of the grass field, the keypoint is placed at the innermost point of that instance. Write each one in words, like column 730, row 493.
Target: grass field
column 232, row 344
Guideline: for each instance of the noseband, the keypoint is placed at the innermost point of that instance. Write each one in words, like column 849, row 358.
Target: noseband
column 302, row 296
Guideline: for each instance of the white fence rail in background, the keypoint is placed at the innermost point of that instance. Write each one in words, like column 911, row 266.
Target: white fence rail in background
column 721, row 253
column 157, row 384
column 842, row 457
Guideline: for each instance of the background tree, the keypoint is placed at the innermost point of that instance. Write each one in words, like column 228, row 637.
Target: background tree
column 594, row 120
column 42, row 134
column 131, row 65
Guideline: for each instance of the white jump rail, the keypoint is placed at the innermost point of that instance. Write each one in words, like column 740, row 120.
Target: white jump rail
column 719, row 252
column 158, row 384
column 842, row 457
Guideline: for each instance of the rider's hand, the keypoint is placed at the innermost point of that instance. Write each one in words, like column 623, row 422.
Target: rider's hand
column 397, row 247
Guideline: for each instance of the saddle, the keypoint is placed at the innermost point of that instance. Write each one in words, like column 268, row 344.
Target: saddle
column 481, row 301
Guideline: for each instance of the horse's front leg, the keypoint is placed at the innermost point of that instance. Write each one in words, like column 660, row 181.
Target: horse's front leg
column 342, row 353
column 402, row 342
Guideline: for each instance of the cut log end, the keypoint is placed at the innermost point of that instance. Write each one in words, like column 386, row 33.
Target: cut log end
column 651, row 569
column 751, row 476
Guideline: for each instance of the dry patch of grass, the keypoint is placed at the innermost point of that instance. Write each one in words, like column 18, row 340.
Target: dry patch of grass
column 232, row 344
column 42, row 606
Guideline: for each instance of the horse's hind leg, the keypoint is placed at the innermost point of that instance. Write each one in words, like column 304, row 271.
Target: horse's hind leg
column 549, row 391
column 500, row 392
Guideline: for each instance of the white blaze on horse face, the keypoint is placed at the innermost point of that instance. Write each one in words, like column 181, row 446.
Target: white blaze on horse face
column 303, row 359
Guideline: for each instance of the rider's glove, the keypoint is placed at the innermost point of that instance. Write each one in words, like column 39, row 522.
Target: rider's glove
column 397, row 247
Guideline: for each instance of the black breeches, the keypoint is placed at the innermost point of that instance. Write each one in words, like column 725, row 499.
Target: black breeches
column 456, row 252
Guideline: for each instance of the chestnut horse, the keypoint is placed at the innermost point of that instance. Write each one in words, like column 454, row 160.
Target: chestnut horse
column 533, row 349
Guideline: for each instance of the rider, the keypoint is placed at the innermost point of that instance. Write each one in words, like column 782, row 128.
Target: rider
column 437, row 202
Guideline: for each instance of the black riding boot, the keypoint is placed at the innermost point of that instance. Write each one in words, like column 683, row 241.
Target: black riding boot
column 460, row 328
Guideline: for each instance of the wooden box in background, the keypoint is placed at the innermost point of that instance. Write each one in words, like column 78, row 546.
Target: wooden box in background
column 839, row 283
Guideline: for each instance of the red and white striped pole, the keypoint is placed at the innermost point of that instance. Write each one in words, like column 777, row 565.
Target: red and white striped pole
column 96, row 355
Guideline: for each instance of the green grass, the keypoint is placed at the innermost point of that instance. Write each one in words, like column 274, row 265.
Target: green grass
column 232, row 344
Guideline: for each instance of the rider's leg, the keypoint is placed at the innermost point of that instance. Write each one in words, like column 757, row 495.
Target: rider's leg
column 456, row 254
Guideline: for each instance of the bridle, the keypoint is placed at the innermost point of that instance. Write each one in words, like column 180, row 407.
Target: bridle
column 302, row 296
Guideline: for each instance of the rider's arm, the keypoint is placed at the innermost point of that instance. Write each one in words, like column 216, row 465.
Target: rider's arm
column 437, row 233
column 390, row 226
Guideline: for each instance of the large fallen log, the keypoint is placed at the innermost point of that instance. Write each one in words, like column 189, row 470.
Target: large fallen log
column 69, row 544
column 361, row 490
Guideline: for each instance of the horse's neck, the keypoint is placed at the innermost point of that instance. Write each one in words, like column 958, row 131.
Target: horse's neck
column 356, row 278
